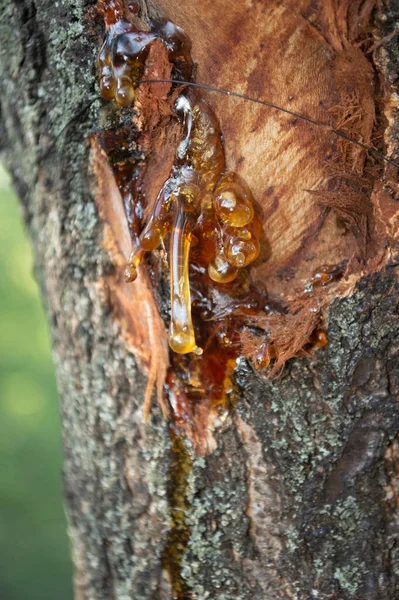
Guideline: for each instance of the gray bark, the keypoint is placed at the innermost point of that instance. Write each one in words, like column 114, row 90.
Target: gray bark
column 300, row 499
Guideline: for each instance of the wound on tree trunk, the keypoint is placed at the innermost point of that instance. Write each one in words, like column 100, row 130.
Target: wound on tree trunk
column 167, row 151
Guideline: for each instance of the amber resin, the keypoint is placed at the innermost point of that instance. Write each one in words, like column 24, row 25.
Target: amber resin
column 324, row 275
column 263, row 356
column 203, row 218
column 319, row 338
column 198, row 190
column 199, row 202
column 179, row 533
column 125, row 49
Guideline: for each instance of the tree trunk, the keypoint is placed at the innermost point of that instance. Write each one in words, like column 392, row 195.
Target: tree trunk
column 297, row 494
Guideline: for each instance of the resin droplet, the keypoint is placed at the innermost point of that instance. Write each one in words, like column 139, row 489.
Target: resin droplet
column 240, row 251
column 130, row 274
column 262, row 357
column 152, row 235
column 319, row 338
column 222, row 271
column 125, row 92
column 108, row 87
column 326, row 274
column 150, row 238
column 233, row 201
column 131, row 267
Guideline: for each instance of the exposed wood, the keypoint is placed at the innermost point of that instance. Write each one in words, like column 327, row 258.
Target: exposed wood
column 305, row 56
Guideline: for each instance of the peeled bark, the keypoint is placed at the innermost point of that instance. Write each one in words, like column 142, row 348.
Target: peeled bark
column 299, row 498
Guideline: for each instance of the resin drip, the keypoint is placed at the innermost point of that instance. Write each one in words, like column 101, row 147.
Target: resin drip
column 179, row 533
column 181, row 337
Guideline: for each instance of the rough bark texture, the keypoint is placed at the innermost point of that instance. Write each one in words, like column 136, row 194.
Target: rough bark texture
column 300, row 498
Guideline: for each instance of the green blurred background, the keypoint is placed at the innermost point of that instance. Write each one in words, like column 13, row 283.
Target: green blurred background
column 34, row 553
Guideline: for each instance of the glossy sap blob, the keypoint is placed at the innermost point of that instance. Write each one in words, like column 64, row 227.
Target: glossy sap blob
column 199, row 203
column 191, row 199
column 123, row 54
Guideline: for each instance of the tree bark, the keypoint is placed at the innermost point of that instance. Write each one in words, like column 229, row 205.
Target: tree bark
column 300, row 497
